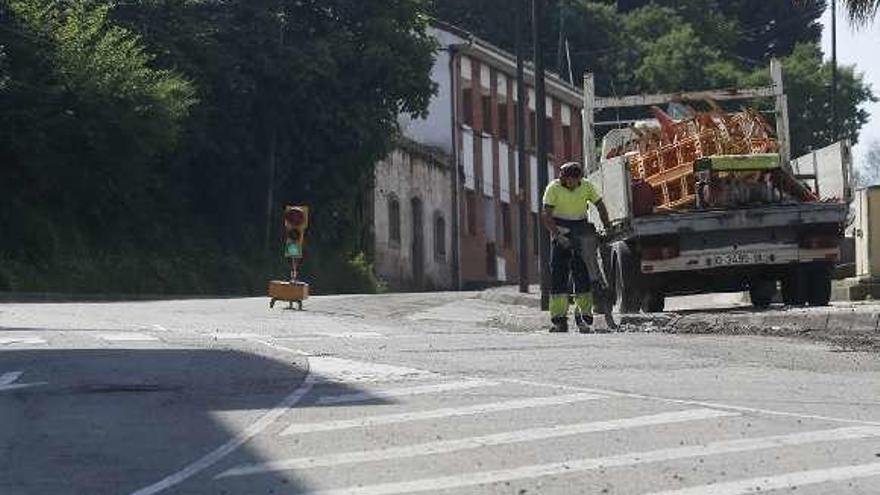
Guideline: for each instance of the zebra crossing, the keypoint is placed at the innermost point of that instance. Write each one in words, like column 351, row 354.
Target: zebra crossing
column 444, row 434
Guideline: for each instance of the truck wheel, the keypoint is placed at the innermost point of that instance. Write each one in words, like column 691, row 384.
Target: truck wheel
column 762, row 293
column 794, row 287
column 626, row 292
column 818, row 284
column 653, row 302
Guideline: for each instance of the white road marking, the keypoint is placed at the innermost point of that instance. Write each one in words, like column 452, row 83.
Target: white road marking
column 588, row 464
column 403, row 392
column 346, row 370
column 477, row 442
column 126, row 337
column 237, row 441
column 693, row 403
column 23, row 340
column 446, row 412
column 788, row 480
column 7, row 381
column 346, row 335
column 10, row 377
column 235, row 336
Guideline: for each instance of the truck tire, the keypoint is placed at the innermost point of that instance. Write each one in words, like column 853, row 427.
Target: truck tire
column 762, row 293
column 653, row 302
column 626, row 290
column 794, row 287
column 818, row 276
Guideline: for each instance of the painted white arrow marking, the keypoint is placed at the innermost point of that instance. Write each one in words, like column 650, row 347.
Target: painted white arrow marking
column 7, row 381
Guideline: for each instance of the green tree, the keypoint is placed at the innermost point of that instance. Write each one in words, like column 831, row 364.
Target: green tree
column 867, row 173
column 302, row 96
column 84, row 123
column 807, row 81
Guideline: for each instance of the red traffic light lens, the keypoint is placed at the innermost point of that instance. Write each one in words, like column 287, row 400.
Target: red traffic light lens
column 295, row 217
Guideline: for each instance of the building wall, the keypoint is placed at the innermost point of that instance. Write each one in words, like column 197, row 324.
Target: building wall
column 488, row 158
column 436, row 129
column 413, row 172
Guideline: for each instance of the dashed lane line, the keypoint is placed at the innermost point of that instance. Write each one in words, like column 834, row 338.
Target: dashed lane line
column 403, row 392
column 446, row 412
column 126, row 337
column 692, row 403
column 790, row 481
column 23, row 340
column 589, row 464
column 476, row 442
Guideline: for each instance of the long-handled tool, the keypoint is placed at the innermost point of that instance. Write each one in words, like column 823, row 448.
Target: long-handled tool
column 588, row 249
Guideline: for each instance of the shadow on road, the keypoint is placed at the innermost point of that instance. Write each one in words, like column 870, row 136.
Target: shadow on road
column 112, row 421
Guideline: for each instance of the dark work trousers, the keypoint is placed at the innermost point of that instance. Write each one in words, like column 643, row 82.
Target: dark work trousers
column 567, row 267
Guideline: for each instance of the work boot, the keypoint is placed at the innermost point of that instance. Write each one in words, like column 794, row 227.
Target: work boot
column 560, row 324
column 584, row 322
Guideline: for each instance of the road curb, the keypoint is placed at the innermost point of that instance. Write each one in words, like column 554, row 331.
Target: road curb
column 846, row 326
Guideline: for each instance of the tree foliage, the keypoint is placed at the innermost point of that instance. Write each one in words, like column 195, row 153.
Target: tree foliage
column 84, row 123
column 165, row 124
column 867, row 173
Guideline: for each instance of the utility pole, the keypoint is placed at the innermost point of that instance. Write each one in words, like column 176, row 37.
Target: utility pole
column 541, row 133
column 521, row 146
column 834, row 133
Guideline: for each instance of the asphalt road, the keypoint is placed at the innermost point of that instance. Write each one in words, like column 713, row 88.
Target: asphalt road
column 426, row 393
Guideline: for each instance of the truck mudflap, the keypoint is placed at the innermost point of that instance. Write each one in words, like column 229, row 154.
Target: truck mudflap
column 745, row 255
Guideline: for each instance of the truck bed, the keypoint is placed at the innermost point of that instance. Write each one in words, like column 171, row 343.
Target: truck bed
column 730, row 219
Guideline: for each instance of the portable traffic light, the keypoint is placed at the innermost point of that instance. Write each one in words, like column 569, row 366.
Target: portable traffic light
column 296, row 221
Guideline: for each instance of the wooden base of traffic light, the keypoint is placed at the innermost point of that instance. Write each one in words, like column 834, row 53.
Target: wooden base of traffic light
column 292, row 292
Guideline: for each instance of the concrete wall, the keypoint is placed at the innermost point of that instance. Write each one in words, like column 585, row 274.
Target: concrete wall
column 409, row 172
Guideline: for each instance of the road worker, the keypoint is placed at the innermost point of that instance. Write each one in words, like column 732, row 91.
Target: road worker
column 573, row 253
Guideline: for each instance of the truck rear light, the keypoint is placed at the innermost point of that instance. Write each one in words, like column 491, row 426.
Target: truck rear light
column 654, row 253
column 819, row 242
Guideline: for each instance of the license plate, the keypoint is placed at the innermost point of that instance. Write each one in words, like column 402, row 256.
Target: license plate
column 738, row 258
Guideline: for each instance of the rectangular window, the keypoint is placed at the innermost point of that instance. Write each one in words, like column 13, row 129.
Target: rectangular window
column 471, row 212
column 551, row 144
column 532, row 138
column 506, row 233
column 567, row 152
column 467, row 106
column 487, row 114
column 491, row 263
column 536, row 233
column 503, row 124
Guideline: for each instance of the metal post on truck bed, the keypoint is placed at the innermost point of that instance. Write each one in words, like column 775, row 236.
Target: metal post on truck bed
column 782, row 131
column 588, row 118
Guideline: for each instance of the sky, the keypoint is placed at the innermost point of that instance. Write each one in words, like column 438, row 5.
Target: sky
column 858, row 46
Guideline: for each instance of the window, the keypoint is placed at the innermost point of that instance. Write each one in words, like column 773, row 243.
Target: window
column 487, row 114
column 439, row 238
column 503, row 127
column 467, row 106
column 567, row 153
column 394, row 220
column 506, row 233
column 491, row 264
column 551, row 145
column 532, row 139
column 536, row 233
column 471, row 212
